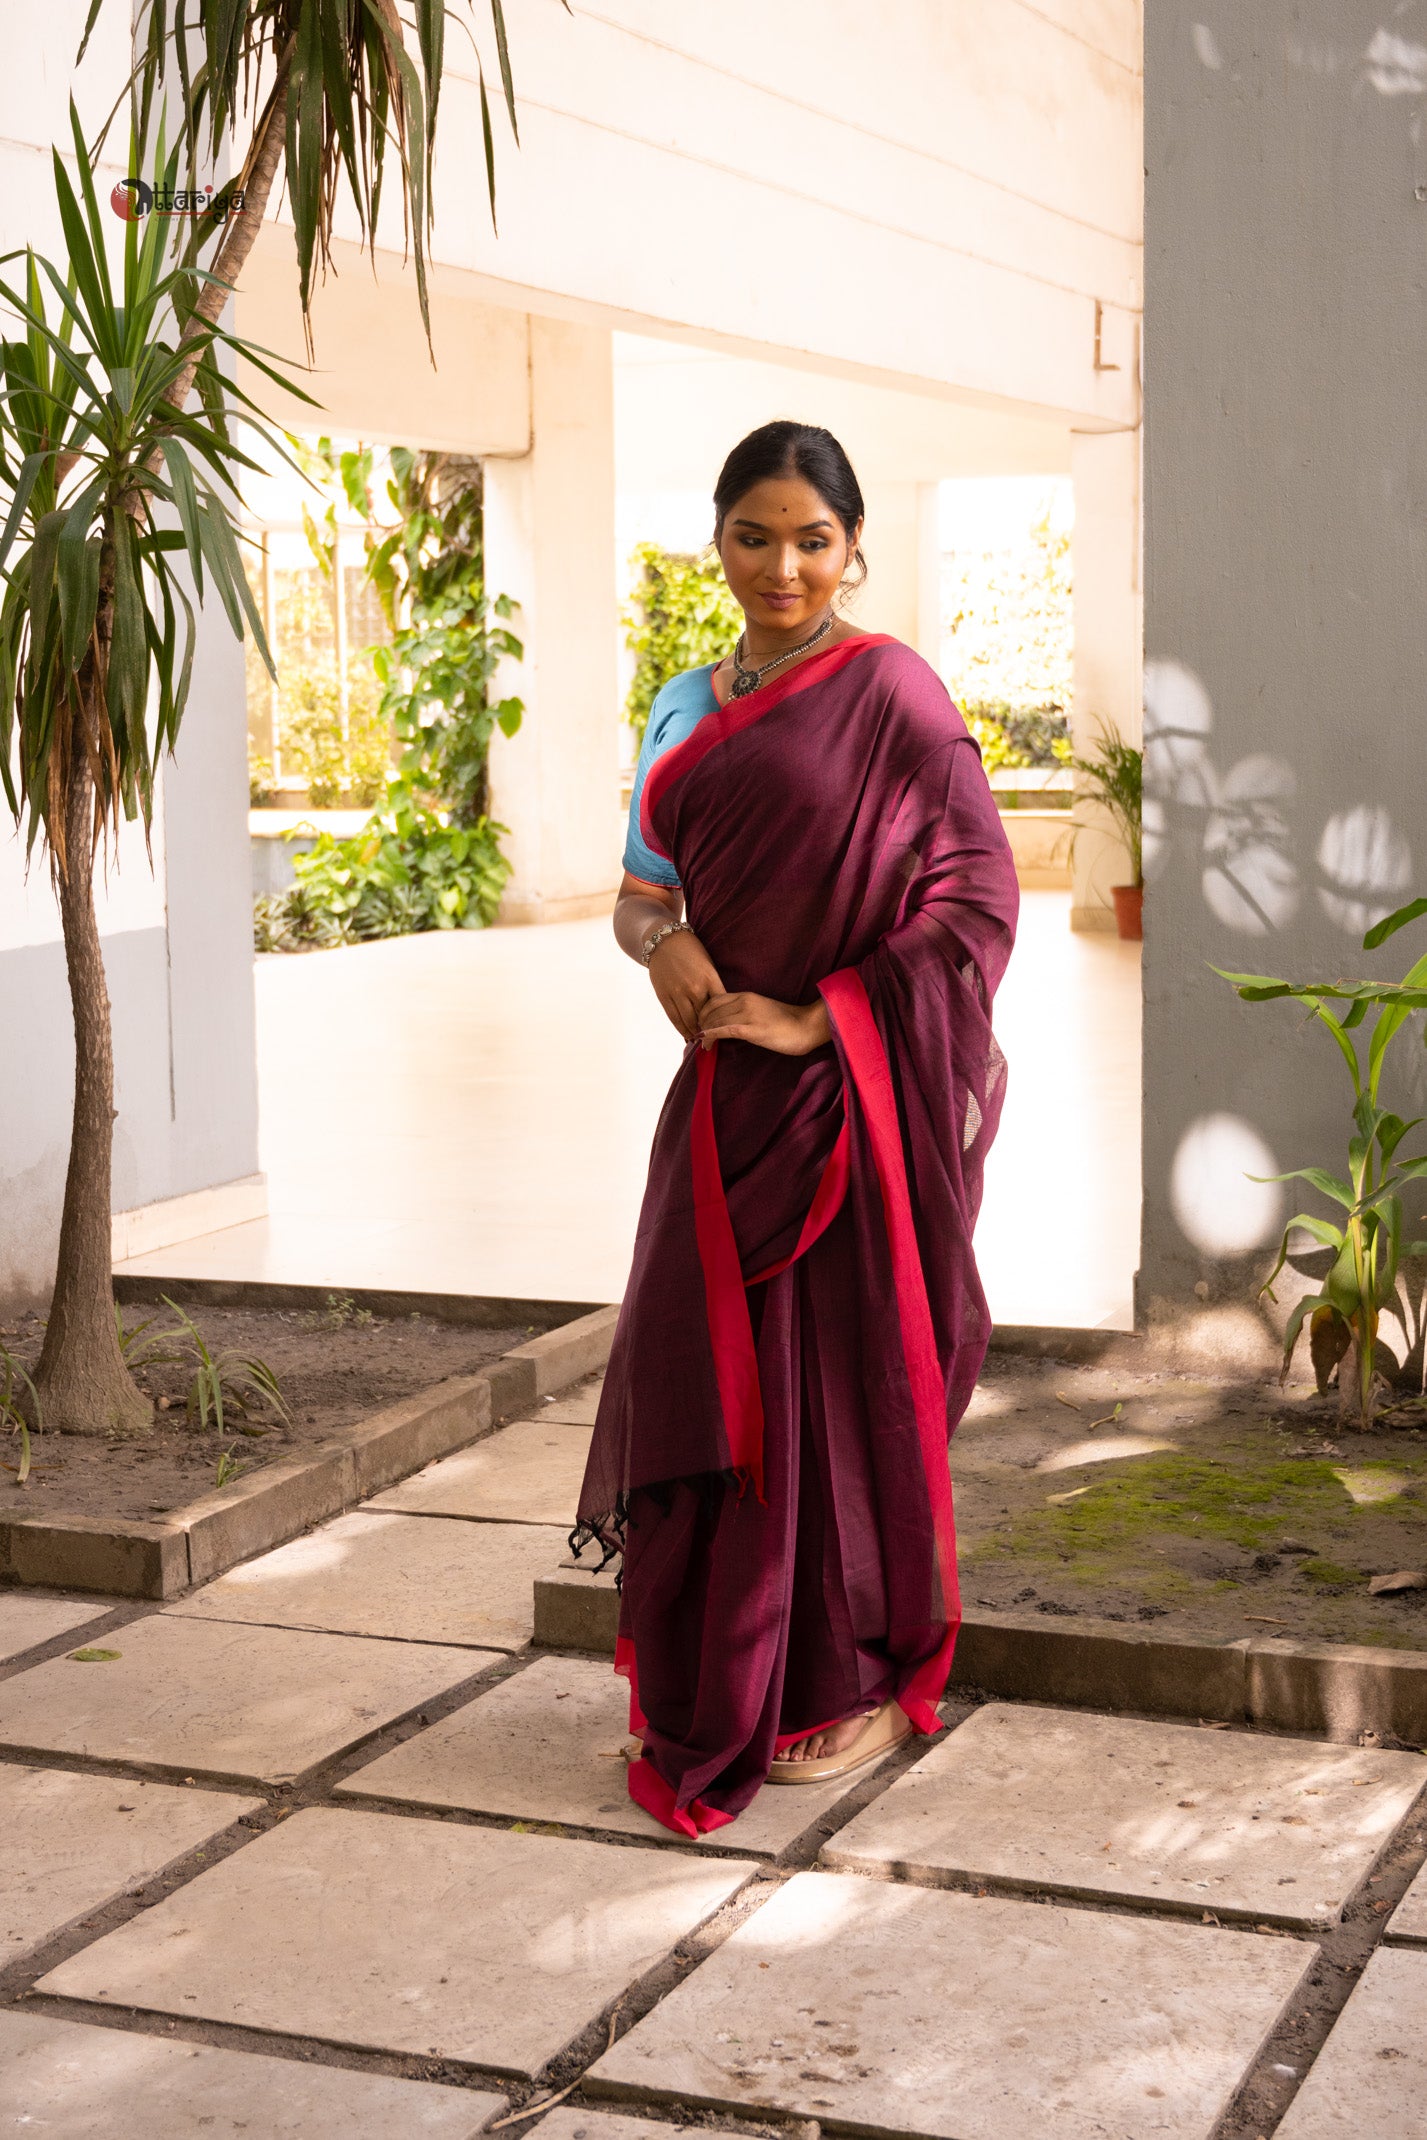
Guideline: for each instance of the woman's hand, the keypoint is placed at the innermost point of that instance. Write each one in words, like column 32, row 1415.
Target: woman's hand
column 782, row 1028
column 685, row 981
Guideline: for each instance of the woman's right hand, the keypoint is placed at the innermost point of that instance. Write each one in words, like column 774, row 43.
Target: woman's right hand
column 684, row 978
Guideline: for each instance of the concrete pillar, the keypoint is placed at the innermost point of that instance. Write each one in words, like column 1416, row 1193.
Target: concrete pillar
column 549, row 543
column 1109, row 637
column 903, row 550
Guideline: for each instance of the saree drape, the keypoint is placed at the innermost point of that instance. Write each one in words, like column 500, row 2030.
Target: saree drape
column 804, row 1323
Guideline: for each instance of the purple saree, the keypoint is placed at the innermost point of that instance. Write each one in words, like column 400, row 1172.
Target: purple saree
column 804, row 1324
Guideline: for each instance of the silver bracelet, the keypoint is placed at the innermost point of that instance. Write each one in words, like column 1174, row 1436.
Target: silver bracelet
column 668, row 928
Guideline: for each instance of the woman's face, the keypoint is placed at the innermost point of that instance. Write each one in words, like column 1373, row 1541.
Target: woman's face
column 784, row 552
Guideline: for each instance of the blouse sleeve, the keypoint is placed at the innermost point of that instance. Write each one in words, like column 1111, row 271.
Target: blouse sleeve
column 640, row 859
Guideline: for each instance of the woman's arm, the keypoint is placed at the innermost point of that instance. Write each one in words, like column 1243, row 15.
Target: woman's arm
column 684, row 975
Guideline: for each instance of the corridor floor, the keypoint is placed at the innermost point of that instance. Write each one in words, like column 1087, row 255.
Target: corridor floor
column 328, row 1851
column 471, row 1113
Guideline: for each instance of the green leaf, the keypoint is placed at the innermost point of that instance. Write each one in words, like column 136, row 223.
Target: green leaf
column 1391, row 923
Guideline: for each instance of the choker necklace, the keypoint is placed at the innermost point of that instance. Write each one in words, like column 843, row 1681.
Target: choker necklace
column 746, row 679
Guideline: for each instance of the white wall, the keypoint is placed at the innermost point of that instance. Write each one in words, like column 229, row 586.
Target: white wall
column 922, row 195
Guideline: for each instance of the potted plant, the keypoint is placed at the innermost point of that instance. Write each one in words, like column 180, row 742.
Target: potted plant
column 1116, row 778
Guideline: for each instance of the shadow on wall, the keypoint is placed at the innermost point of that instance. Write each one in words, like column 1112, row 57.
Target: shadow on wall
column 1232, row 841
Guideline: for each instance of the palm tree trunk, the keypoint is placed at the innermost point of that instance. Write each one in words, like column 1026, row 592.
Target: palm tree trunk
column 82, row 1381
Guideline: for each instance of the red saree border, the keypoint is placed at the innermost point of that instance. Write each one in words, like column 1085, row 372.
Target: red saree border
column 851, row 1013
column 726, row 1289
column 721, row 722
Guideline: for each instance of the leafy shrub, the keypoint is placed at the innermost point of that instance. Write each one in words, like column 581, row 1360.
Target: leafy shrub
column 407, row 870
column 339, row 772
column 681, row 617
column 1015, row 736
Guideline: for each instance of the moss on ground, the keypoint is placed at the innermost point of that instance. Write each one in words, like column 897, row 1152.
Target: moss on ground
column 1255, row 1502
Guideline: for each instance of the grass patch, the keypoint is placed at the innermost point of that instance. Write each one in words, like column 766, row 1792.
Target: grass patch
column 1329, row 1571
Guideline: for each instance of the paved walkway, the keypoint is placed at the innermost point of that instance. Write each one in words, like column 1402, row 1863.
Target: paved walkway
column 326, row 1851
column 472, row 1114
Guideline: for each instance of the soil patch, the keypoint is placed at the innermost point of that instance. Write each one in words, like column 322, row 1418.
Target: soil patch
column 334, row 1366
column 1212, row 1508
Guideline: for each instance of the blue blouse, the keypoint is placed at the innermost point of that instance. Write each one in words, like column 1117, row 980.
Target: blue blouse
column 675, row 714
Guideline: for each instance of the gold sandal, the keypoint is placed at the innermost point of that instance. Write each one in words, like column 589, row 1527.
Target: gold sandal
column 885, row 1728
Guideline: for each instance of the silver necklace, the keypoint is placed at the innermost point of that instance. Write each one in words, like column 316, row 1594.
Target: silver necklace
column 746, row 679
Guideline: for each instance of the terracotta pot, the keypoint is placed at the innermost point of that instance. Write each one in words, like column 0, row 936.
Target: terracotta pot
column 1129, row 911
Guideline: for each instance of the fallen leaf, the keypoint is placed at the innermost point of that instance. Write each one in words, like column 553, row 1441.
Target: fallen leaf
column 94, row 1656
column 1387, row 1586
column 1294, row 1820
column 1108, row 1420
column 1186, row 1803
column 1073, row 1495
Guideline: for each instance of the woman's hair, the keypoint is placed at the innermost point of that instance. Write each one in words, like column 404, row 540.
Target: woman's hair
column 785, row 448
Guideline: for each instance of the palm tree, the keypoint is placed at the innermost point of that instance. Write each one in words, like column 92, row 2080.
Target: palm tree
column 100, row 455
column 114, row 488
column 319, row 90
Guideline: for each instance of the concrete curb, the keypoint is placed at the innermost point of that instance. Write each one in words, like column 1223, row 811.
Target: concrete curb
column 123, row 1558
column 486, row 1311
column 1326, row 1690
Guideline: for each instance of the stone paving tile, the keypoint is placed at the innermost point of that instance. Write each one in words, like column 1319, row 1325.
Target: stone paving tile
column 27, row 1622
column 73, row 1842
column 1247, row 1826
column 607, row 2125
column 1369, row 2081
column 414, row 1579
column 527, row 1473
column 407, row 1935
column 882, row 2008
column 1408, row 1922
column 577, row 1410
column 252, row 1704
column 546, row 1745
column 70, row 2081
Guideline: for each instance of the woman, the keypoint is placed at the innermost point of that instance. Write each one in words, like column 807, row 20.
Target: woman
column 803, row 1323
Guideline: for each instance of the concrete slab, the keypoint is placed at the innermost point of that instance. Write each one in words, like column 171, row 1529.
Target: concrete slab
column 27, row 1622
column 527, row 1473
column 407, row 1935
column 577, row 1608
column 208, row 1699
column 1407, row 1926
column 71, row 2082
column 576, row 1407
column 1371, row 2075
column 880, row 2008
column 1265, row 1829
column 546, row 1745
column 76, row 1841
column 569, row 2124
column 408, row 1579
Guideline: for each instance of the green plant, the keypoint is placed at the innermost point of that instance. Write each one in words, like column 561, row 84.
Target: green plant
column 1365, row 1248
column 119, row 501
column 1116, row 777
column 10, row 1409
column 225, row 1379
column 142, row 1351
column 340, row 771
column 408, row 870
column 681, row 617
column 227, row 1469
column 1013, row 736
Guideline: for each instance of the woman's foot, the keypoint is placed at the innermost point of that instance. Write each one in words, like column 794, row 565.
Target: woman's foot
column 824, row 1745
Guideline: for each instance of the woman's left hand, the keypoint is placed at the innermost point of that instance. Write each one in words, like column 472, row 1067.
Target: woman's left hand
column 783, row 1028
